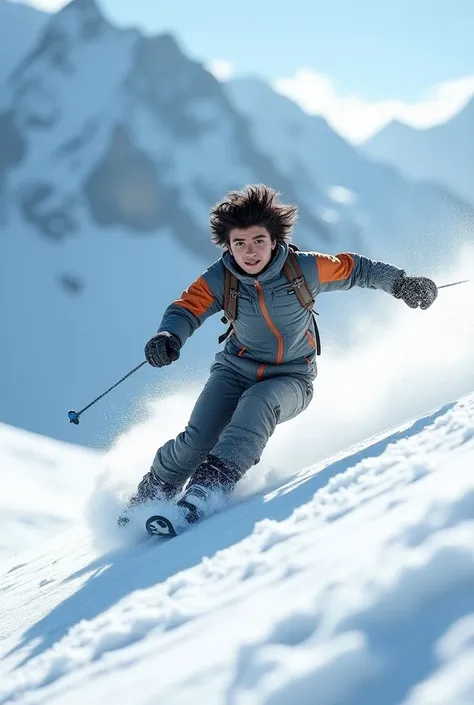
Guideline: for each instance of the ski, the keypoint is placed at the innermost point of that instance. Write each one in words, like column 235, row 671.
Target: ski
column 158, row 525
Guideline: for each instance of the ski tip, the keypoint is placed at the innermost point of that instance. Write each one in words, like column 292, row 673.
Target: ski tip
column 160, row 526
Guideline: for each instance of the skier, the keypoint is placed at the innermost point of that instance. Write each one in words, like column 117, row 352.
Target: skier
column 264, row 375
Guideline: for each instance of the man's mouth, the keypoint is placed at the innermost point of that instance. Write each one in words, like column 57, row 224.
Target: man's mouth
column 252, row 264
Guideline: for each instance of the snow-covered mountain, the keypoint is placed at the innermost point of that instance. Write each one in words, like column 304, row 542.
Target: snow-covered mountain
column 113, row 147
column 350, row 583
column 444, row 153
column 375, row 207
column 20, row 26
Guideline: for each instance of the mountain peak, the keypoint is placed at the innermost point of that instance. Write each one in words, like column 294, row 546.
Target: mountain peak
column 81, row 5
column 400, row 130
column 465, row 116
column 169, row 83
column 393, row 128
column 88, row 19
column 80, row 21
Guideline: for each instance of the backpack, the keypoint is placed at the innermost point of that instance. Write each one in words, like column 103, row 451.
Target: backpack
column 293, row 273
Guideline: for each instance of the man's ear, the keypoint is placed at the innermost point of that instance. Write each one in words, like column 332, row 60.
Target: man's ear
column 274, row 244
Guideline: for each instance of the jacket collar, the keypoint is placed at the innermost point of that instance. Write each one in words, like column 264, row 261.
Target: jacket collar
column 273, row 270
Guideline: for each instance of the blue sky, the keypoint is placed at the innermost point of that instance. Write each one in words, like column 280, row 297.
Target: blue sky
column 369, row 58
column 382, row 49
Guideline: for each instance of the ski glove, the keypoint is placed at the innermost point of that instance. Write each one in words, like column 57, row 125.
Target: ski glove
column 415, row 291
column 162, row 349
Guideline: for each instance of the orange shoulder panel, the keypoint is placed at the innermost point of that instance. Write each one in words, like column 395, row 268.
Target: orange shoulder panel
column 197, row 298
column 334, row 268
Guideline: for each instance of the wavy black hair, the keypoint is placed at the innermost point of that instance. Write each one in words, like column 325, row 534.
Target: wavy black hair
column 256, row 204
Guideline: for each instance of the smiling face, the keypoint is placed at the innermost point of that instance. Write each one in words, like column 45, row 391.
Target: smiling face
column 251, row 248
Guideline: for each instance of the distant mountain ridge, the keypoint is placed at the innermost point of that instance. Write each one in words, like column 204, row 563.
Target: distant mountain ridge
column 387, row 214
column 443, row 153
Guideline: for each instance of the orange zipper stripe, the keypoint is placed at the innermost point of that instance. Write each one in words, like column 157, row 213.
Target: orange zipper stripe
column 270, row 323
column 260, row 372
column 242, row 350
column 310, row 339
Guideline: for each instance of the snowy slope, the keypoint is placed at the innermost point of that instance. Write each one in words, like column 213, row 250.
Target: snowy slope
column 344, row 568
column 45, row 486
column 115, row 145
column 444, row 153
column 351, row 583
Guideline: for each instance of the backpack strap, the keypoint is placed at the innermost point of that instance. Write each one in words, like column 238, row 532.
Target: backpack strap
column 231, row 288
column 318, row 337
column 296, row 278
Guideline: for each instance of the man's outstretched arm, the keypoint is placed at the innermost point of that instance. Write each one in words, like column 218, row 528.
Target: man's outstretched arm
column 343, row 271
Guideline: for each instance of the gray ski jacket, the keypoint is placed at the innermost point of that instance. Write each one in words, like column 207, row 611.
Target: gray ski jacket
column 272, row 334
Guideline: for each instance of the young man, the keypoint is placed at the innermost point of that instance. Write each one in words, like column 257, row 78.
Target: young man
column 264, row 375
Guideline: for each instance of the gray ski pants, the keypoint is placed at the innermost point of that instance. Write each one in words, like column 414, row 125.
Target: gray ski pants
column 233, row 419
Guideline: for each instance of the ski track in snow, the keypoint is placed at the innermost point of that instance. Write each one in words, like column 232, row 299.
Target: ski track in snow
column 357, row 588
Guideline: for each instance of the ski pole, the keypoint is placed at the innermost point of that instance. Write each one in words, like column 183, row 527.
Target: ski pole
column 445, row 286
column 74, row 415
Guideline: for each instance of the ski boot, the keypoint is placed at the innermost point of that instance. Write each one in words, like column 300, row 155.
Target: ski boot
column 149, row 488
column 215, row 478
